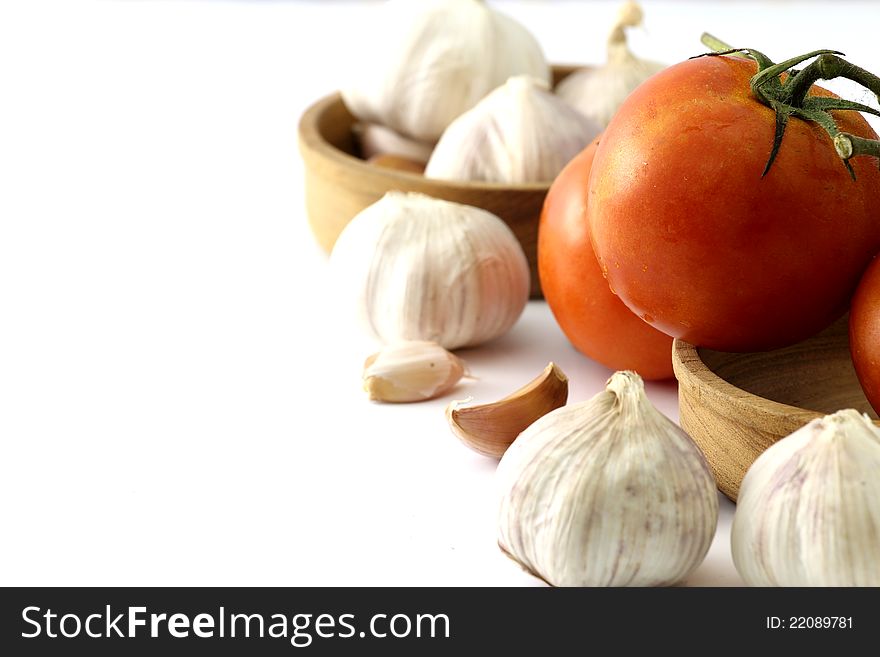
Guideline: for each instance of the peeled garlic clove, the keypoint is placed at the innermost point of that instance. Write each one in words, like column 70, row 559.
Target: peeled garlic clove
column 424, row 63
column 411, row 371
column 598, row 92
column 414, row 267
column 808, row 511
column 377, row 140
column 519, row 133
column 607, row 492
column 490, row 428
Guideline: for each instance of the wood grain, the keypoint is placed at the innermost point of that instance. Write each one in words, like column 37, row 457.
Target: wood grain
column 339, row 184
column 735, row 406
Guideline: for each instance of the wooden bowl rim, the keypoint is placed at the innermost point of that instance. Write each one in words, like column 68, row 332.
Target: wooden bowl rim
column 686, row 359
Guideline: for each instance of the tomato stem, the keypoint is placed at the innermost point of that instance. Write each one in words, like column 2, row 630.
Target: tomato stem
column 848, row 146
column 717, row 46
column 790, row 97
column 828, row 67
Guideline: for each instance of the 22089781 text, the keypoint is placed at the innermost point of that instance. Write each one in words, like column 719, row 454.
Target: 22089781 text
column 809, row 623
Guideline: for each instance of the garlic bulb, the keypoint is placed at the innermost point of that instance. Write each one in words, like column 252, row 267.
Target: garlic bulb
column 607, row 492
column 808, row 512
column 519, row 133
column 376, row 140
column 424, row 63
column 418, row 268
column 411, row 371
column 598, row 92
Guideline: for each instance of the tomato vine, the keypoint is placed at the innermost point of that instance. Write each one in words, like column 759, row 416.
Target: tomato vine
column 785, row 90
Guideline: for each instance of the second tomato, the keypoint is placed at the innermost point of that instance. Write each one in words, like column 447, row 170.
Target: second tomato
column 591, row 316
column 864, row 333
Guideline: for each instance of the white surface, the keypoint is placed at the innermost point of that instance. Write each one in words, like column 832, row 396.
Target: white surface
column 178, row 404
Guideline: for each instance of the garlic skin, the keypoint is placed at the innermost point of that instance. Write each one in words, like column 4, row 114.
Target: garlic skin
column 377, row 140
column 411, row 372
column 519, row 133
column 414, row 267
column 424, row 63
column 598, row 92
column 808, row 512
column 607, row 492
column 489, row 429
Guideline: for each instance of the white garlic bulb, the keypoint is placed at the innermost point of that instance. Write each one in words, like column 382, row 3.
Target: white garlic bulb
column 426, row 62
column 808, row 511
column 607, row 492
column 599, row 91
column 519, row 133
column 411, row 371
column 418, row 268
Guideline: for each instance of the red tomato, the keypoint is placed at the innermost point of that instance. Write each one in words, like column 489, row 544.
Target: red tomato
column 596, row 321
column 697, row 243
column 864, row 333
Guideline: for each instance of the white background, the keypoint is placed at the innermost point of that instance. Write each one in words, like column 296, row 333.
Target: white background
column 179, row 404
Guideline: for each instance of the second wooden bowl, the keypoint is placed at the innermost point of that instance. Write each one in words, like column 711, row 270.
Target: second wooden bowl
column 736, row 405
column 339, row 184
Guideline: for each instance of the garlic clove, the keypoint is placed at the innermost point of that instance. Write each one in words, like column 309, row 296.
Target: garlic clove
column 412, row 267
column 490, row 428
column 808, row 511
column 519, row 133
column 599, row 91
column 607, row 492
column 411, row 371
column 422, row 64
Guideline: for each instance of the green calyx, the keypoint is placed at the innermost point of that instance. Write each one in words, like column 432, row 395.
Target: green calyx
column 790, row 97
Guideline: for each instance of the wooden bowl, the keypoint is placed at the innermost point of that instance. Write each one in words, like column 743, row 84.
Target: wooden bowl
column 339, row 184
column 736, row 405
